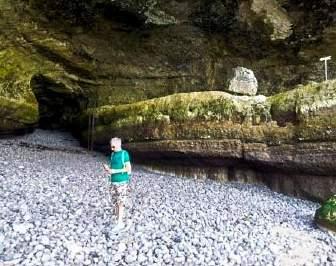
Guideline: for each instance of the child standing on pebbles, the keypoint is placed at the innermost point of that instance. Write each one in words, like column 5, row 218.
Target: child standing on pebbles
column 120, row 171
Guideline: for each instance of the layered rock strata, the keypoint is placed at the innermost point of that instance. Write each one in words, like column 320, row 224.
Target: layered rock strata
column 290, row 134
column 156, row 73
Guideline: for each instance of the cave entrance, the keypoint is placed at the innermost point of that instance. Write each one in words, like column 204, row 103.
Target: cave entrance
column 58, row 107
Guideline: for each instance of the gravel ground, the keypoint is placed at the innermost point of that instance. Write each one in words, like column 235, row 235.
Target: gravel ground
column 55, row 210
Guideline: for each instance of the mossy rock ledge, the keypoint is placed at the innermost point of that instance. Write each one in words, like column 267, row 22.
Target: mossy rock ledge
column 325, row 216
column 302, row 115
column 292, row 133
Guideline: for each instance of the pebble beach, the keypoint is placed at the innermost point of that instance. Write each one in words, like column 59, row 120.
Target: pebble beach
column 56, row 210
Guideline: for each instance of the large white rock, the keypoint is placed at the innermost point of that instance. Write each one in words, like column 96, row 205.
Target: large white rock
column 243, row 82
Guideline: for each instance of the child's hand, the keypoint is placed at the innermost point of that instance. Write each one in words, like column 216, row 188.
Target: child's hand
column 107, row 168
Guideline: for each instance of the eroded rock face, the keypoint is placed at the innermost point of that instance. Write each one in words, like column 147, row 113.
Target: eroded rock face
column 300, row 170
column 156, row 71
column 32, row 61
column 149, row 11
column 19, row 109
column 267, row 16
column 289, row 135
column 150, row 49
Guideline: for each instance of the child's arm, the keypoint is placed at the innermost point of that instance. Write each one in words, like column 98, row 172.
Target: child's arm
column 128, row 168
column 113, row 171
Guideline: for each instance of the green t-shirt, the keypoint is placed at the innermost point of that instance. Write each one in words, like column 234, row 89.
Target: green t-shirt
column 118, row 159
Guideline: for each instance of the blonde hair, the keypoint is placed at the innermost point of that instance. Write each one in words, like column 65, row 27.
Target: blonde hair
column 116, row 142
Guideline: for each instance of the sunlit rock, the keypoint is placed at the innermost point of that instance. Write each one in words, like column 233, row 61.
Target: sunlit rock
column 243, row 82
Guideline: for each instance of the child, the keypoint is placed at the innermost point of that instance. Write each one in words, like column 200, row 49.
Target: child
column 120, row 171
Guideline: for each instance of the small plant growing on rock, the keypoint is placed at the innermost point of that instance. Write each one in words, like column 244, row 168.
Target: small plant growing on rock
column 325, row 216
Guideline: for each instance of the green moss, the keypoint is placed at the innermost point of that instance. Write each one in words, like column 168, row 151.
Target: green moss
column 15, row 74
column 326, row 214
column 18, row 106
column 18, row 67
column 189, row 116
column 283, row 118
column 311, row 108
column 304, row 100
column 267, row 133
column 17, row 114
column 283, row 107
column 198, row 106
